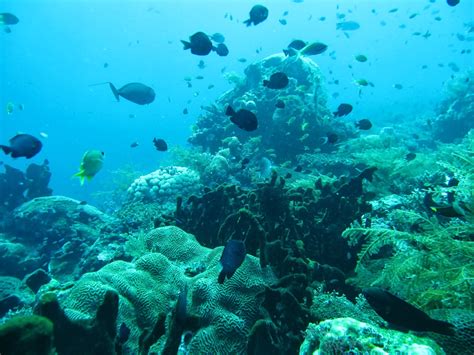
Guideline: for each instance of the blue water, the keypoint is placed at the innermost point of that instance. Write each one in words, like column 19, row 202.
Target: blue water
column 59, row 48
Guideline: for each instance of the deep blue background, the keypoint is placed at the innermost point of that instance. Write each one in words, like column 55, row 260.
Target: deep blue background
column 59, row 48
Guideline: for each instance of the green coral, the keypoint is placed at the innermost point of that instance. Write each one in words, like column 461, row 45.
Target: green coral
column 27, row 335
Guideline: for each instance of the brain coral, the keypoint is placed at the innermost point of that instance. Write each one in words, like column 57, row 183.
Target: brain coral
column 150, row 285
column 163, row 185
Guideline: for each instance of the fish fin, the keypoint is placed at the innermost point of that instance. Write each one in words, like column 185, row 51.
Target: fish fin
column 214, row 49
column 265, row 83
column 115, row 91
column 221, row 277
column 6, row 149
column 248, row 22
column 286, row 52
column 442, row 327
column 324, row 140
column 229, row 111
column 186, row 45
column 80, row 175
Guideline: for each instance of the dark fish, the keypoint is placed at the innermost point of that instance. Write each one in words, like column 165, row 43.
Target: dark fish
column 280, row 104
column 364, row 124
column 83, row 203
column 277, row 81
column 201, row 64
column 343, row 110
column 185, row 111
column 134, row 145
column 297, row 44
column 181, row 305
column 123, row 334
column 137, row 93
column 242, row 60
column 402, row 314
column 222, row 50
column 288, row 176
column 244, row 163
column 106, row 65
column 160, row 144
column 283, row 21
column 393, row 10
column 410, row 156
column 347, row 26
column 452, row 2
column 244, row 119
column 298, row 169
column 232, row 257
column 361, row 58
column 218, row 37
column 23, row 145
column 199, row 43
column 398, row 86
column 258, row 14
column 8, row 19
column 332, row 138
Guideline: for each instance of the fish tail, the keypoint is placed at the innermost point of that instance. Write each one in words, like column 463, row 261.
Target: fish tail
column 6, row 149
column 248, row 22
column 186, row 45
column 221, row 277
column 229, row 111
column 81, row 176
column 115, row 91
column 442, row 327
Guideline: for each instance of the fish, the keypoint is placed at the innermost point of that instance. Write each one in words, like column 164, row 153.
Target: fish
column 22, row 145
column 364, row 124
column 361, row 58
column 7, row 29
column 393, row 10
column 160, row 144
column 361, row 82
column 185, row 111
column 134, row 145
column 314, row 48
column 91, row 163
column 199, row 77
column 258, row 14
column 44, row 134
column 137, row 93
column 402, row 314
column 295, row 46
column 218, row 37
column 199, row 43
column 211, row 86
column 106, row 65
column 244, row 162
column 232, row 257
column 280, row 104
column 123, row 334
column 332, row 138
column 244, row 119
column 181, row 305
column 221, row 50
column 410, row 156
column 347, row 26
column 298, row 169
column 398, row 86
column 277, row 80
column 343, row 110
column 452, row 2
column 283, row 21
column 201, row 64
column 10, row 108
column 8, row 19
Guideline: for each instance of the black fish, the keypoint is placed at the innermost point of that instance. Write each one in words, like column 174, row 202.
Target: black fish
column 299, row 169
column 160, row 144
column 185, row 111
column 258, row 14
column 134, row 145
column 123, row 334
column 23, row 145
column 280, row 104
column 199, row 43
column 452, row 2
column 332, row 138
column 343, row 110
column 244, row 163
column 222, row 50
column 244, row 119
column 277, row 81
column 137, row 93
column 410, row 156
column 402, row 314
column 294, row 47
column 8, row 19
column 232, row 257
column 364, row 124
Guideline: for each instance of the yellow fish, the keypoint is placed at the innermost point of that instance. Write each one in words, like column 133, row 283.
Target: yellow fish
column 91, row 164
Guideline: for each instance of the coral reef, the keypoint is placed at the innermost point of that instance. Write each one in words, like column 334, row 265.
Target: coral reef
column 64, row 236
column 347, row 335
column 163, row 185
column 147, row 287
